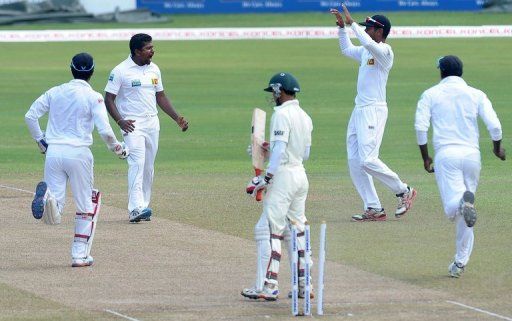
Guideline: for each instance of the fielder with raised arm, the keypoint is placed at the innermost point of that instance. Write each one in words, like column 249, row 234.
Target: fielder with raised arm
column 285, row 179
column 453, row 108
column 133, row 91
column 74, row 109
column 368, row 119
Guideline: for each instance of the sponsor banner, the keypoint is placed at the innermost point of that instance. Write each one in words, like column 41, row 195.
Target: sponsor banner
column 250, row 6
column 245, row 33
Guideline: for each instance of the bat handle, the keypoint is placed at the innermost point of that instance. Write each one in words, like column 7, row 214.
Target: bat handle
column 259, row 194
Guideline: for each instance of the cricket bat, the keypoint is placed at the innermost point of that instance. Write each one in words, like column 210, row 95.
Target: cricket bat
column 257, row 139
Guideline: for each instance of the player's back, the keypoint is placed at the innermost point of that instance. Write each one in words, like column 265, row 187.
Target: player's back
column 70, row 119
column 454, row 113
column 301, row 127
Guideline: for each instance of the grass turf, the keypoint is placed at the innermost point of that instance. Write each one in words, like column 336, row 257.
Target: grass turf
column 201, row 174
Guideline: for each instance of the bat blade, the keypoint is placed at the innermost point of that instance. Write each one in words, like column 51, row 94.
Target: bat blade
column 257, row 139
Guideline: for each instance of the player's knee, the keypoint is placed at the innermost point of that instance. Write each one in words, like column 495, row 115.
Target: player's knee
column 261, row 232
column 368, row 163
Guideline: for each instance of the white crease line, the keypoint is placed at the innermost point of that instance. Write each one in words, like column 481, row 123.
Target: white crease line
column 17, row 189
column 121, row 315
column 480, row 310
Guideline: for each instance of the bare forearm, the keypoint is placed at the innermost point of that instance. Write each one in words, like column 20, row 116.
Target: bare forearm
column 166, row 106
column 112, row 108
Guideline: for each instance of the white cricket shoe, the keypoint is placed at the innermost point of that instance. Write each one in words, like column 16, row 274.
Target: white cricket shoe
column 251, row 293
column 405, row 201
column 136, row 215
column 270, row 292
column 467, row 208
column 82, row 262
column 455, row 269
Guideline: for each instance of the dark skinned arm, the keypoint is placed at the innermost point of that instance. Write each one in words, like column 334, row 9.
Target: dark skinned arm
column 166, row 106
column 427, row 160
column 125, row 124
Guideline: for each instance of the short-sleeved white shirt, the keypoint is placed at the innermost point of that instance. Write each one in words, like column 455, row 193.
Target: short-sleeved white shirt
column 73, row 108
column 453, row 107
column 135, row 88
column 291, row 124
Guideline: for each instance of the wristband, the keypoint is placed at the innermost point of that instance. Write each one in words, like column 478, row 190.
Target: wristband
column 117, row 122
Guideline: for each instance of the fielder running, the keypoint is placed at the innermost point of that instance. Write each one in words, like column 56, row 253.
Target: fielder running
column 368, row 119
column 453, row 107
column 74, row 109
column 285, row 179
column 133, row 90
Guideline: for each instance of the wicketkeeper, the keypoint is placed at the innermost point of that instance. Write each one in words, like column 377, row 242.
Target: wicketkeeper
column 73, row 108
column 285, row 180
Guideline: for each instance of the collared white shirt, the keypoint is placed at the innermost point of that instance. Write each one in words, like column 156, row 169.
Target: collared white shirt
column 135, row 88
column 375, row 62
column 291, row 124
column 453, row 108
column 73, row 108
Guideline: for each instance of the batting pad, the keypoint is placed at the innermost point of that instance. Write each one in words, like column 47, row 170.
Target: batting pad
column 85, row 226
column 52, row 215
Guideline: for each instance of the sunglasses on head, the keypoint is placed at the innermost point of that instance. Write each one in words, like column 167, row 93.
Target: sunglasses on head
column 375, row 22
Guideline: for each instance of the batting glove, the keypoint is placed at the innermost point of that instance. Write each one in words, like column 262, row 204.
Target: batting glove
column 258, row 183
column 43, row 145
column 121, row 150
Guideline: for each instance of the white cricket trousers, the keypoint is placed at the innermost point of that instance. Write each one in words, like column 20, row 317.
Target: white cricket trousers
column 66, row 162
column 284, row 202
column 364, row 137
column 458, row 170
column 143, row 145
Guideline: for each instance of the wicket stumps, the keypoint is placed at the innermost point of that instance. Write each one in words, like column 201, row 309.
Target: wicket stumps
column 307, row 270
column 321, row 267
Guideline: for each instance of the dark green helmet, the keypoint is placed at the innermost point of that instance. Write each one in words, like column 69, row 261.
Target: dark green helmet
column 283, row 81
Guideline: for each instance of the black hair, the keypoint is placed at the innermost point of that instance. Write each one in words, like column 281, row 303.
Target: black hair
column 82, row 66
column 450, row 66
column 138, row 41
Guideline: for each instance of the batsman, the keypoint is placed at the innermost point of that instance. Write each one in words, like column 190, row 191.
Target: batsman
column 285, row 180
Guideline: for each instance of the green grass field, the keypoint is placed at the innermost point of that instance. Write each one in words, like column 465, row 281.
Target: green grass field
column 217, row 84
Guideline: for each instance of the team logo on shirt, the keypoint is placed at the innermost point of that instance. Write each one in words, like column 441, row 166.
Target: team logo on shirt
column 111, row 77
column 136, row 83
column 278, row 132
column 100, row 100
column 154, row 81
column 371, row 62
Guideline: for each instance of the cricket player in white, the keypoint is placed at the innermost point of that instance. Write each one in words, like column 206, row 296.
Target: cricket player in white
column 368, row 119
column 285, row 178
column 133, row 90
column 453, row 107
column 74, row 109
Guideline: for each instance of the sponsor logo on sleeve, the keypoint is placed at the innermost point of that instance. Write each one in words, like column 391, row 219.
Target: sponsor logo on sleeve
column 111, row 77
column 154, row 81
column 100, row 100
column 136, row 83
column 278, row 132
column 371, row 62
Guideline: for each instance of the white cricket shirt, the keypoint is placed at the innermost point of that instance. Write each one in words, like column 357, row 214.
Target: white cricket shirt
column 375, row 62
column 453, row 108
column 135, row 88
column 73, row 108
column 291, row 124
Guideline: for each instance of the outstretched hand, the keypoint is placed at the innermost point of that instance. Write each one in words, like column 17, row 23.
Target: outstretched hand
column 339, row 18
column 348, row 17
